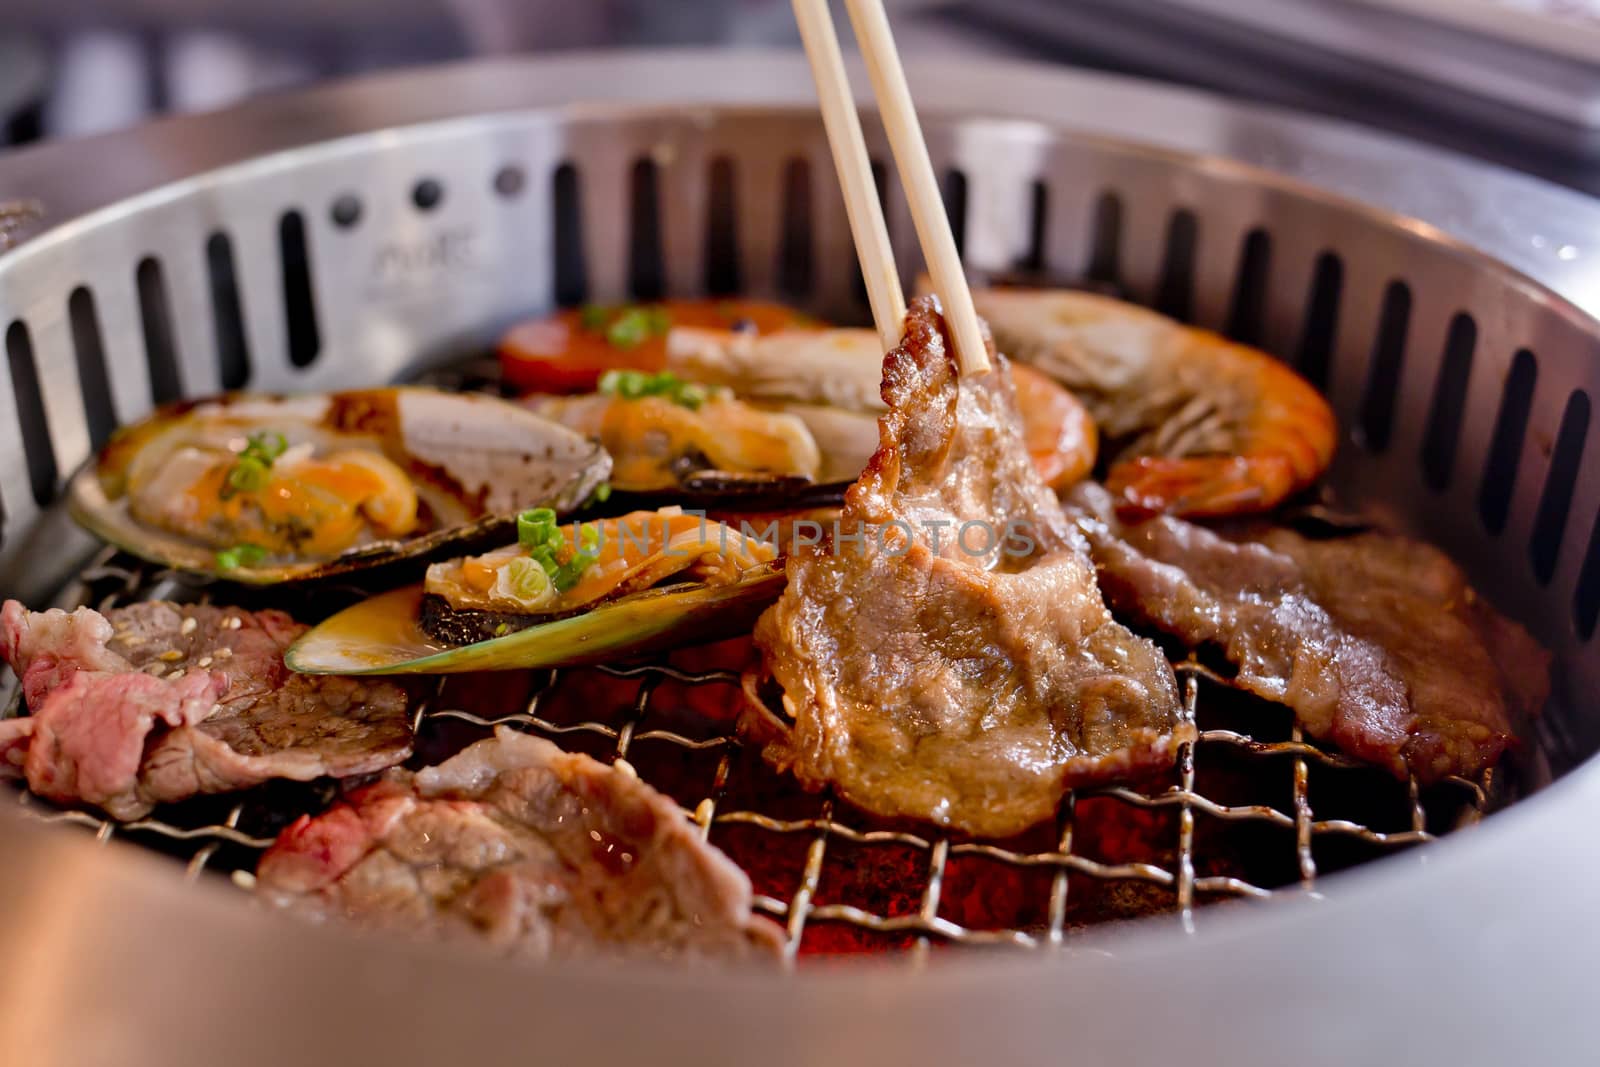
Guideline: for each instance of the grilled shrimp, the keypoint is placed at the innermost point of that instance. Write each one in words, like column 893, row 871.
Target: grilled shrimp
column 831, row 379
column 1198, row 426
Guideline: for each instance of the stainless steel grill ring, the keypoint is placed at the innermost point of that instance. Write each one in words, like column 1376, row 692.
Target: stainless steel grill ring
column 368, row 230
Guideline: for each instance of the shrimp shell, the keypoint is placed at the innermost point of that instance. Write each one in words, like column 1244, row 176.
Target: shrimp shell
column 1198, row 426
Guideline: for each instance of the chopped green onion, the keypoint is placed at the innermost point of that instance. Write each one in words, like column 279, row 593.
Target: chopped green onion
column 538, row 533
column 527, row 581
column 628, row 384
column 594, row 316
column 691, row 396
column 248, row 475
column 589, row 540
column 630, row 330
column 240, row 556
column 635, row 384
column 249, row 471
column 537, row 526
column 636, row 325
column 601, row 494
column 567, row 574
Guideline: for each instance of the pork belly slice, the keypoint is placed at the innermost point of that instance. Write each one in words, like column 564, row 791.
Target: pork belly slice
column 965, row 677
column 1376, row 642
column 158, row 702
column 538, row 852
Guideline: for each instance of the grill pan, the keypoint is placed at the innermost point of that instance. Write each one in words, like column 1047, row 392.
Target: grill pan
column 374, row 230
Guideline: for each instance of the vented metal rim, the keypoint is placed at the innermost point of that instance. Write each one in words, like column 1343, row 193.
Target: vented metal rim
column 1400, row 960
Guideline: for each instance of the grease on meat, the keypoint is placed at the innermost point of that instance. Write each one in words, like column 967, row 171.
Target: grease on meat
column 538, row 852
column 1376, row 642
column 939, row 679
column 157, row 702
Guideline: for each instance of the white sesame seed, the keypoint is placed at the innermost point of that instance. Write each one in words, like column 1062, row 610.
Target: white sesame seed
column 205, row 661
column 156, row 670
column 189, row 626
column 171, row 655
column 224, row 653
column 234, row 622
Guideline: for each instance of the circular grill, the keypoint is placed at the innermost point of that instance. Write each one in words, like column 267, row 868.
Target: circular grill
column 287, row 246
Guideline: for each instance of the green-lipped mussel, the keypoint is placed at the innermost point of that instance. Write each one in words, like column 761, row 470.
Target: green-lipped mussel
column 561, row 596
column 263, row 489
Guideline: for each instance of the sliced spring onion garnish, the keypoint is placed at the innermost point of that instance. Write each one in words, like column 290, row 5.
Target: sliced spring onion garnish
column 627, row 326
column 538, row 532
column 249, row 471
column 526, row 581
column 231, row 559
column 635, row 384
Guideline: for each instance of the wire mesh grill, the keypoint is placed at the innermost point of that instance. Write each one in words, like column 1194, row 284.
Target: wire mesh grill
column 1250, row 811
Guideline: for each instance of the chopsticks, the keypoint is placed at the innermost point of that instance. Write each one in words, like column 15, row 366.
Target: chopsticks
column 854, row 167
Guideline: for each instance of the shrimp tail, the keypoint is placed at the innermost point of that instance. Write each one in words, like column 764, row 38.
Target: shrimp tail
column 1200, row 486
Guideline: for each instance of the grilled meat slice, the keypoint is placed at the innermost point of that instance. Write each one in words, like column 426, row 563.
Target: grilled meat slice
column 957, row 664
column 1376, row 642
column 158, row 702
column 539, row 852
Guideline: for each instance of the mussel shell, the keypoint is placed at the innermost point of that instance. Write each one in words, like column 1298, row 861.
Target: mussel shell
column 476, row 460
column 383, row 635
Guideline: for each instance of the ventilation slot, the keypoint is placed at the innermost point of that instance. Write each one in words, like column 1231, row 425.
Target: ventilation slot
column 1586, row 599
column 880, row 181
column 1505, row 447
column 794, row 249
column 954, row 188
column 299, row 305
column 1250, row 289
column 1315, row 352
column 1383, row 380
column 1176, row 291
column 1106, row 240
column 572, row 272
column 41, row 456
column 1550, row 522
column 233, row 351
column 89, row 347
column 155, row 313
column 1449, row 402
column 722, row 231
column 645, row 277
column 1038, row 226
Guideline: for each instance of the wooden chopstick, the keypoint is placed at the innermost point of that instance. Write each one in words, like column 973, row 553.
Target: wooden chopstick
column 889, row 86
column 854, row 166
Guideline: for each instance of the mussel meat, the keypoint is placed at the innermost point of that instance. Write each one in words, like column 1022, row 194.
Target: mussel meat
column 665, row 434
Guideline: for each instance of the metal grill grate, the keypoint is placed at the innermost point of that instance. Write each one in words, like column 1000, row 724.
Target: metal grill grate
column 1204, row 830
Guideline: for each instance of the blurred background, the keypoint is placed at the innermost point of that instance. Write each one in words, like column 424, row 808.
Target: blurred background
column 1513, row 81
